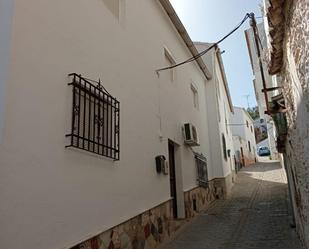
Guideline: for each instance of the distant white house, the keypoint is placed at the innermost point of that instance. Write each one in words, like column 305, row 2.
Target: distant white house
column 260, row 127
column 260, row 124
column 240, row 146
column 243, row 136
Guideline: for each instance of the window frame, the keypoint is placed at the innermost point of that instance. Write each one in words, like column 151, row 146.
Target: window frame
column 95, row 118
column 201, row 169
column 195, row 96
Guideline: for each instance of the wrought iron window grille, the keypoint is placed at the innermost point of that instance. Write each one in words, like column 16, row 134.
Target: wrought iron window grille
column 202, row 172
column 95, row 118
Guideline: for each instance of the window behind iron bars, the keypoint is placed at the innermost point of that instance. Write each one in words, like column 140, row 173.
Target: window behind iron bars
column 95, row 118
column 202, row 174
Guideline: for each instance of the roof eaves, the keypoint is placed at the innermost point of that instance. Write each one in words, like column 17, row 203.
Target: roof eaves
column 276, row 20
column 184, row 35
column 216, row 52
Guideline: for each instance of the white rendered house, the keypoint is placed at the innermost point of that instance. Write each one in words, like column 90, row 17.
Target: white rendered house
column 92, row 145
column 219, row 108
column 243, row 135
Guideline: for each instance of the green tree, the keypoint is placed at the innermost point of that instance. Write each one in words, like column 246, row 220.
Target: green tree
column 253, row 112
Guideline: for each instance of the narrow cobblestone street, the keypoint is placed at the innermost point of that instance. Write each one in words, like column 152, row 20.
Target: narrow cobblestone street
column 254, row 216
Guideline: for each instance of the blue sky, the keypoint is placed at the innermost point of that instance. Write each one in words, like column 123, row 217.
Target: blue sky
column 210, row 20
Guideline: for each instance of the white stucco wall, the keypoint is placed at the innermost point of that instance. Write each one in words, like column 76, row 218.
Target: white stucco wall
column 239, row 143
column 219, row 110
column 239, row 129
column 54, row 197
column 224, row 128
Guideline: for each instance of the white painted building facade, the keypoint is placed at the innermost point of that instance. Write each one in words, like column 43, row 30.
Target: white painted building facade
column 270, row 80
column 219, row 108
column 241, row 149
column 58, row 197
column 243, row 135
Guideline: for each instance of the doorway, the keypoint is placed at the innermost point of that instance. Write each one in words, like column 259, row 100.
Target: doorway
column 173, row 189
column 242, row 157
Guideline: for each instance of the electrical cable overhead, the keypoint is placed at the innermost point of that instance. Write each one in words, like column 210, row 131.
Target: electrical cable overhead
column 195, row 57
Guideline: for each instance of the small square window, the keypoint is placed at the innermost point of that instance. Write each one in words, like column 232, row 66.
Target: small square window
column 113, row 6
column 195, row 97
column 118, row 9
column 170, row 61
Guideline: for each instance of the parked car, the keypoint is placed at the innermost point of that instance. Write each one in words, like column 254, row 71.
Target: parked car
column 264, row 151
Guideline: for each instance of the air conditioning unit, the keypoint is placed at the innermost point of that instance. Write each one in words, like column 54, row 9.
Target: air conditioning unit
column 190, row 135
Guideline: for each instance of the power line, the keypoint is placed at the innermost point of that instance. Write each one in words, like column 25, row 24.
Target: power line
column 195, row 57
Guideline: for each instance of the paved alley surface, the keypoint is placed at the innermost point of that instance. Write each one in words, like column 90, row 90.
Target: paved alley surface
column 255, row 216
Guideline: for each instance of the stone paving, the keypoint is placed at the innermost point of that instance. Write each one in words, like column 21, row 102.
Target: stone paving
column 254, row 216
